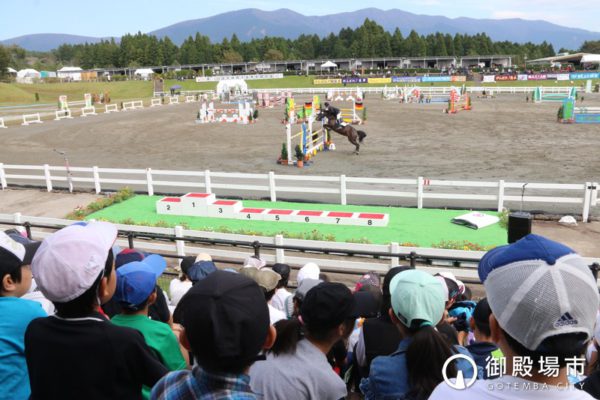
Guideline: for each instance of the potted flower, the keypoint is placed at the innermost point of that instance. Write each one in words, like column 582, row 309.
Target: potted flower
column 283, row 158
column 299, row 156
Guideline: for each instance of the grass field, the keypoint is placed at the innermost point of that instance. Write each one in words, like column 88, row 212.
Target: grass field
column 22, row 94
column 408, row 226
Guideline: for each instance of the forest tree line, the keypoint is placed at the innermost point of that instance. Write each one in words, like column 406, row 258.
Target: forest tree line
column 368, row 40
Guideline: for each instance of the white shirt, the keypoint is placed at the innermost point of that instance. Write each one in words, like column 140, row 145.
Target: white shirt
column 278, row 300
column 177, row 288
column 509, row 388
column 275, row 315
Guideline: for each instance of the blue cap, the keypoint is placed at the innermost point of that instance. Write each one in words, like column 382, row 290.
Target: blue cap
column 201, row 270
column 136, row 281
column 530, row 247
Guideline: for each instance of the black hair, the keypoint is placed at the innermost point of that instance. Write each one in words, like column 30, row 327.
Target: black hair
column 284, row 271
column 268, row 294
column 324, row 277
column 291, row 331
column 467, row 295
column 481, row 316
column 85, row 303
column 386, row 298
column 566, row 345
column 12, row 269
column 425, row 358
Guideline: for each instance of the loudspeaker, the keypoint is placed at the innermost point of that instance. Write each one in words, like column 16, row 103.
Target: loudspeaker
column 519, row 225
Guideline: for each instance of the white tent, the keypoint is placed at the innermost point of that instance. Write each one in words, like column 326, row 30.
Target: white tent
column 233, row 86
column 27, row 75
column 11, row 70
column 72, row 73
column 329, row 64
column 144, row 73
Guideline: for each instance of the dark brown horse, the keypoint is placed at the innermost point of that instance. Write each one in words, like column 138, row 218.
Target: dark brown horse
column 355, row 137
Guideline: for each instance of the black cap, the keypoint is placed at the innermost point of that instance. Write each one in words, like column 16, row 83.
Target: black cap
column 14, row 254
column 226, row 320
column 327, row 305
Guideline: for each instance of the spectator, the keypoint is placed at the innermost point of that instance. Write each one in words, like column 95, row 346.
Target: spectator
column 281, row 294
column 159, row 311
column 483, row 347
column 179, row 286
column 293, row 303
column 135, row 292
column 78, row 353
column 267, row 280
column 17, row 313
column 544, row 301
column 255, row 262
column 415, row 368
column 297, row 364
column 309, row 270
column 200, row 270
column 226, row 325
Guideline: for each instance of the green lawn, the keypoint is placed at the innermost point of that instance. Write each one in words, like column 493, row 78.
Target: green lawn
column 22, row 94
column 424, row 227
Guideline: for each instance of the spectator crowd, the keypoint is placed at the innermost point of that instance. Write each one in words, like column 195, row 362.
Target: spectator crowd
column 84, row 319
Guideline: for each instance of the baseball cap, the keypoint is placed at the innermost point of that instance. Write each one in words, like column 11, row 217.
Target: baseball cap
column 454, row 287
column 226, row 320
column 254, row 262
column 417, row 295
column 265, row 277
column 136, row 281
column 69, row 261
column 308, row 271
column 200, row 270
column 538, row 288
column 127, row 256
column 14, row 254
column 327, row 305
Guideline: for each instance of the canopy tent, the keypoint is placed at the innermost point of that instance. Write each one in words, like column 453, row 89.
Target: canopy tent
column 144, row 73
column 233, row 86
column 27, row 75
column 329, row 64
column 72, row 73
column 11, row 70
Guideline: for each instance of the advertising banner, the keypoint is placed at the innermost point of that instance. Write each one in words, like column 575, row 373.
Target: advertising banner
column 436, row 79
column 458, row 78
column 489, row 79
column 380, row 80
column 234, row 77
column 521, row 77
column 563, row 77
column 354, row 80
column 333, row 81
column 406, row 79
column 537, row 77
column 585, row 75
column 500, row 78
column 551, row 76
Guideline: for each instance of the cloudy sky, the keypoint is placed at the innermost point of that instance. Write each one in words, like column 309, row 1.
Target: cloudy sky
column 115, row 18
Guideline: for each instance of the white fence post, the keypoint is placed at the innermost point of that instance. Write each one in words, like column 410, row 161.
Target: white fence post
column 96, row 174
column 394, row 248
column 272, row 186
column 207, row 185
column 343, row 191
column 149, row 181
column 48, row 177
column 17, row 218
column 2, row 177
column 500, row 195
column 279, row 253
column 586, row 202
column 420, row 192
column 594, row 201
column 179, row 244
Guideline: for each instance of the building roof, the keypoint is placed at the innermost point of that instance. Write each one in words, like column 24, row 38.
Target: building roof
column 576, row 58
column 70, row 69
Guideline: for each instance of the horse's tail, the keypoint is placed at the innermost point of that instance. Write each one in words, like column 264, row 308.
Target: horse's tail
column 361, row 136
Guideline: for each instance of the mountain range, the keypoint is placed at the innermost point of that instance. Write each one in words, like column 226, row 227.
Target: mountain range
column 253, row 23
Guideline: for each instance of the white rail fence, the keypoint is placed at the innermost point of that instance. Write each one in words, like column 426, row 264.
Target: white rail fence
column 579, row 197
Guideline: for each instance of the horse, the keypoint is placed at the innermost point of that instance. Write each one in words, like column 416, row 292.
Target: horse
column 355, row 137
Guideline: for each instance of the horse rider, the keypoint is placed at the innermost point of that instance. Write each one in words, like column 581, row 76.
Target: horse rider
column 334, row 111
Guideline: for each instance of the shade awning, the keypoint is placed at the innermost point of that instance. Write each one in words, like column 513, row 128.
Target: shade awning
column 329, row 64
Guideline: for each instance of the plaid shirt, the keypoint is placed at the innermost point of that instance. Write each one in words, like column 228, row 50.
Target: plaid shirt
column 201, row 385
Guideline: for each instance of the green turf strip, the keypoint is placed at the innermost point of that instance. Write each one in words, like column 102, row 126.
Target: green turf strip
column 424, row 227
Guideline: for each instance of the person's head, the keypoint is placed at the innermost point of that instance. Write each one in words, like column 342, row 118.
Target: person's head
column 15, row 261
column 255, row 262
column 136, row 283
column 326, row 104
column 386, row 300
column 200, row 270
column 452, row 287
column 284, row 271
column 371, row 278
column 368, row 302
column 127, row 256
column 74, row 267
column 418, row 302
column 327, row 314
column 308, row 271
column 543, row 298
column 301, row 291
column 226, row 322
column 266, row 279
column 480, row 321
column 186, row 263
